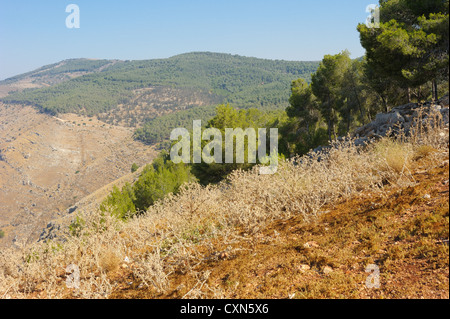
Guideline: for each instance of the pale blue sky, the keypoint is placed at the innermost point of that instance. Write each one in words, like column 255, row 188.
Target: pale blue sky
column 34, row 33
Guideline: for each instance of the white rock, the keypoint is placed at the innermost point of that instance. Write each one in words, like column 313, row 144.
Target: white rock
column 327, row 270
column 304, row 267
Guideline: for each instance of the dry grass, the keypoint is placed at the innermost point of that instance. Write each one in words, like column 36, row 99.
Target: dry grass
column 200, row 226
column 109, row 260
column 423, row 151
column 394, row 155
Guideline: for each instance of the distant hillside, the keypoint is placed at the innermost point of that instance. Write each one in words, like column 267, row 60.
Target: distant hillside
column 63, row 68
column 213, row 77
column 53, row 74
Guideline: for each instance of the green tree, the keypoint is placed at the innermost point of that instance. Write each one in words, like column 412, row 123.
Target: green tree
column 120, row 202
column 155, row 182
column 301, row 131
column 326, row 86
column 229, row 117
column 410, row 46
column 303, row 105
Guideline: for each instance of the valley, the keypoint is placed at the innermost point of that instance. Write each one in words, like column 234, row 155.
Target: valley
column 49, row 163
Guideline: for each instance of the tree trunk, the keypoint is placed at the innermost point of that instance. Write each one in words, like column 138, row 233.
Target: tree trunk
column 334, row 131
column 386, row 108
column 329, row 129
column 330, row 119
column 434, row 89
column 348, row 124
column 333, row 123
column 308, row 134
column 360, row 108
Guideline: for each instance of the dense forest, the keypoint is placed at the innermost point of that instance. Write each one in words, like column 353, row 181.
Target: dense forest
column 247, row 82
column 157, row 130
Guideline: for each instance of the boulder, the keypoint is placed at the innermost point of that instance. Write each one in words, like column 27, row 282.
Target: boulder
column 444, row 114
column 50, row 232
column 72, row 209
column 403, row 118
column 389, row 118
column 383, row 129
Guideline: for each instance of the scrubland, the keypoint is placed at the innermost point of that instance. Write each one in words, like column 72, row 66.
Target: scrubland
column 307, row 231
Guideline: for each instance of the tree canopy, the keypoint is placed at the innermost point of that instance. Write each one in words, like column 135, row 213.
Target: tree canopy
column 410, row 46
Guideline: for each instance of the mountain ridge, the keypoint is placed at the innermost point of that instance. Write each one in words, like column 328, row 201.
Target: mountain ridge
column 243, row 81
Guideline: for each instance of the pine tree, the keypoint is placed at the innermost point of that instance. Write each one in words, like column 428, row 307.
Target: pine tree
column 410, row 46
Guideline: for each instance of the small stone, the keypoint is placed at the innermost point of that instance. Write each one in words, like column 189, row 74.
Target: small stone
column 223, row 256
column 310, row 244
column 304, row 267
column 327, row 270
column 426, row 196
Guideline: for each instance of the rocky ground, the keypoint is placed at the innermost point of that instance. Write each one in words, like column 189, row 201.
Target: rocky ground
column 403, row 118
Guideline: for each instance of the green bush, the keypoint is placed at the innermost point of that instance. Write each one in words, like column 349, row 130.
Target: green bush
column 156, row 181
column 134, row 167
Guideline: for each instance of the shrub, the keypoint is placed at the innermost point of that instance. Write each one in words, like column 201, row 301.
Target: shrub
column 134, row 167
column 155, row 182
column 423, row 151
column 109, row 260
column 394, row 155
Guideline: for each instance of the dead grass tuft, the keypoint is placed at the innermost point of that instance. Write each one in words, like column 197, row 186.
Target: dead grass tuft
column 109, row 260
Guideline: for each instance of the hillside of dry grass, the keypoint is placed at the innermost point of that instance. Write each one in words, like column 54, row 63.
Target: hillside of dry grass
column 403, row 231
column 308, row 231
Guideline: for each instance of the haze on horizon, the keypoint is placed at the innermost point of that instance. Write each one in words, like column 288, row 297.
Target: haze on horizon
column 35, row 34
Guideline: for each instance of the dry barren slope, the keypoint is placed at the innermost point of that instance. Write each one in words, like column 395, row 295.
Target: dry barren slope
column 49, row 163
column 404, row 232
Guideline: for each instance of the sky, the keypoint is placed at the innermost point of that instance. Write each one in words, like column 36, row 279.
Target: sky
column 34, row 33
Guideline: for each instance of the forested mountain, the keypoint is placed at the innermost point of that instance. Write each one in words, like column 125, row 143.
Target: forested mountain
column 242, row 81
